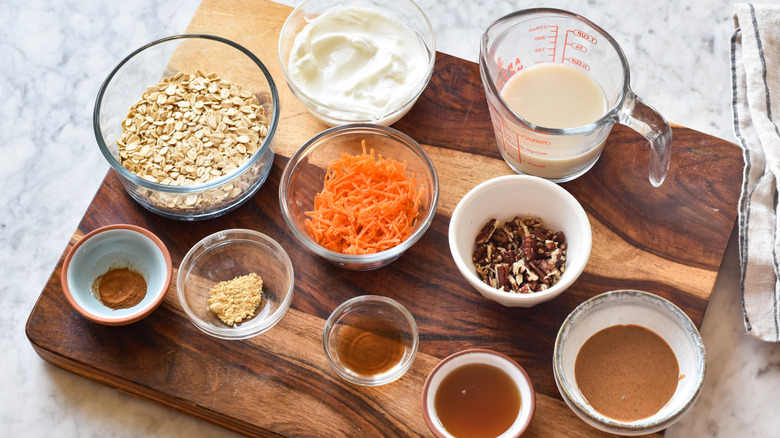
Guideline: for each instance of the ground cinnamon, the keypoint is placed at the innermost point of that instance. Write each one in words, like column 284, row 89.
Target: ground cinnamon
column 120, row 288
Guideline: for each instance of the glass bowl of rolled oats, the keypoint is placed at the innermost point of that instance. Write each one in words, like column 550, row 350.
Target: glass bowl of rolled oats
column 235, row 284
column 187, row 123
column 520, row 240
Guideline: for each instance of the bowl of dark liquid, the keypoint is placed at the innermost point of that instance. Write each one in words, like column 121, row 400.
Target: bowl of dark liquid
column 478, row 393
column 370, row 340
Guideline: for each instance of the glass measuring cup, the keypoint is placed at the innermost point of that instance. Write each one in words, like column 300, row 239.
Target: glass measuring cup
column 534, row 36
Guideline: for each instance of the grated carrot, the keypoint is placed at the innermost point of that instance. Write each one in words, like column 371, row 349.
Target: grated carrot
column 367, row 204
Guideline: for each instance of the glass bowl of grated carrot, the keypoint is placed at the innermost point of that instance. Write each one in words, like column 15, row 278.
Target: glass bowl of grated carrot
column 359, row 195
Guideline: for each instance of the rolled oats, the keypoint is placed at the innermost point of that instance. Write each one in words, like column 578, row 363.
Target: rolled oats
column 191, row 129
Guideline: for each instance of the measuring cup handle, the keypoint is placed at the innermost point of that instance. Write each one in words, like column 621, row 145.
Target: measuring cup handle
column 642, row 118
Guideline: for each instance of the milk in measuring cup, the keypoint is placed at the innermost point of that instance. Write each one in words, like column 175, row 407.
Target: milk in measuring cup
column 555, row 96
column 577, row 78
column 559, row 96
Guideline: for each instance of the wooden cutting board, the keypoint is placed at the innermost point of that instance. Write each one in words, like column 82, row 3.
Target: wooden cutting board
column 669, row 241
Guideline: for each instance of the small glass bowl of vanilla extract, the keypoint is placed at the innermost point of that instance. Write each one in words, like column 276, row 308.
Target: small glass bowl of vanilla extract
column 370, row 340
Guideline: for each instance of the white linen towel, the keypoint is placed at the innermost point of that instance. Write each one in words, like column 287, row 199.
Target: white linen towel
column 755, row 63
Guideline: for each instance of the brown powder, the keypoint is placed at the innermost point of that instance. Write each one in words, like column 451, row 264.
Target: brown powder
column 120, row 288
column 626, row 372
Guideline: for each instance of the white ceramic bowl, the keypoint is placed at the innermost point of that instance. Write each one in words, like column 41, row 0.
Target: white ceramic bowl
column 489, row 357
column 631, row 307
column 504, row 198
column 109, row 247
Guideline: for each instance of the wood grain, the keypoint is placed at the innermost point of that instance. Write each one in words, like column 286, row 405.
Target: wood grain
column 669, row 241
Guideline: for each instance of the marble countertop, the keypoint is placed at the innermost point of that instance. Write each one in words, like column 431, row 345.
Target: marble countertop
column 55, row 55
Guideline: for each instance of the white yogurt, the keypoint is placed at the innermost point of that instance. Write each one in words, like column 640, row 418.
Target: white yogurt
column 358, row 59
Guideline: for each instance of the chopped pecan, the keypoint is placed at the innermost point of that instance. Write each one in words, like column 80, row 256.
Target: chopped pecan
column 530, row 274
column 520, row 255
column 534, row 265
column 541, row 233
column 525, row 289
column 490, row 252
column 479, row 253
column 502, row 274
column 509, row 256
column 557, row 257
column 486, row 232
column 500, row 237
column 547, row 268
column 529, row 247
column 531, row 222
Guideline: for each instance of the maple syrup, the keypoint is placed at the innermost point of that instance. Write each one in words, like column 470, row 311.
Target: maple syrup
column 477, row 400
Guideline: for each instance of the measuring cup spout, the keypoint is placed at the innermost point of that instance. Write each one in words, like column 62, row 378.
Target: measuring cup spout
column 641, row 117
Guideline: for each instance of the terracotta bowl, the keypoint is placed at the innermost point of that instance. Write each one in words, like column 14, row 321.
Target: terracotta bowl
column 116, row 246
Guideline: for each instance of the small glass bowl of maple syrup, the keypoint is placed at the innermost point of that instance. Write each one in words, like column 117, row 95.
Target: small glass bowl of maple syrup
column 478, row 393
column 370, row 340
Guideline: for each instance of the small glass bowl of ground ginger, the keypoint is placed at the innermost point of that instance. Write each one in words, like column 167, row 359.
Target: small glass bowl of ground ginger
column 235, row 284
column 117, row 275
column 359, row 195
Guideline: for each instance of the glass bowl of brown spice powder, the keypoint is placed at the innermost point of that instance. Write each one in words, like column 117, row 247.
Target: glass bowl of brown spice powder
column 117, row 274
column 235, row 284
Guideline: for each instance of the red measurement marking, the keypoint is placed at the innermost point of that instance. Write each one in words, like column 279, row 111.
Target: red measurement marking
column 578, row 62
column 504, row 73
column 553, row 41
column 513, row 142
column 574, row 39
column 548, row 40
column 530, row 139
column 585, row 36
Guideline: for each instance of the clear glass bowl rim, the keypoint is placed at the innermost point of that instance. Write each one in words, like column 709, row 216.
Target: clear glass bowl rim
column 247, row 329
column 351, row 259
column 190, row 188
column 371, row 300
column 312, row 102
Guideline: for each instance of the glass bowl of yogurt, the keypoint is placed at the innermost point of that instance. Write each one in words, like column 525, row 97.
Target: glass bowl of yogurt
column 354, row 61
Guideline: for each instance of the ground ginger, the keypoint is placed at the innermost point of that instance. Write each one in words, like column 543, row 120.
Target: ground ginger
column 236, row 300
